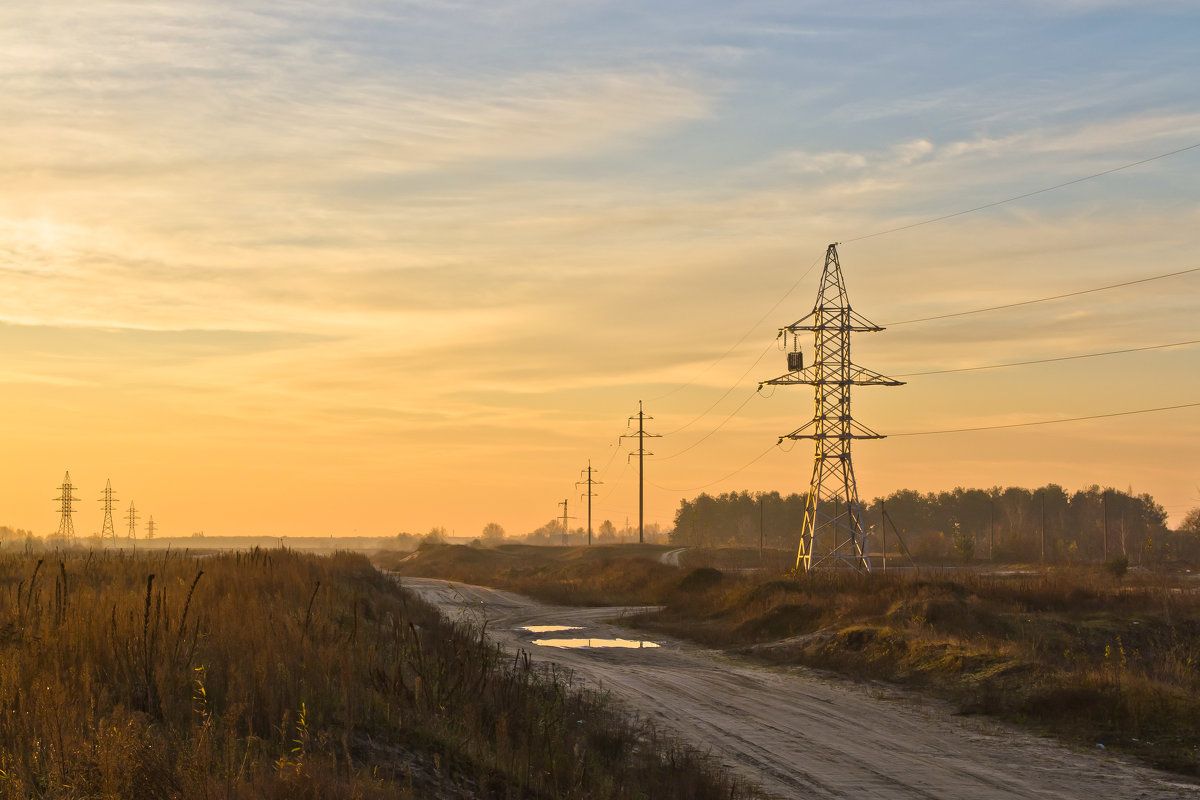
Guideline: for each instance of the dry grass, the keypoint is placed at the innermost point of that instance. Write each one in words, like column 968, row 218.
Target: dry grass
column 279, row 675
column 580, row 576
column 1078, row 653
column 1072, row 652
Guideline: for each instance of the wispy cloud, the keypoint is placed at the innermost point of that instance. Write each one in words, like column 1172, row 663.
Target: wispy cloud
column 410, row 239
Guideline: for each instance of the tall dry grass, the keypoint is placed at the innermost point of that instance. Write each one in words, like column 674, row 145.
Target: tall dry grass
column 278, row 675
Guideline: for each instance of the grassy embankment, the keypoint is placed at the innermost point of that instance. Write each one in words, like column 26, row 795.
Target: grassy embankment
column 606, row 575
column 1076, row 653
column 278, row 675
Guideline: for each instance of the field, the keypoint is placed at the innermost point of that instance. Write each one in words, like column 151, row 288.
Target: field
column 1085, row 655
column 272, row 674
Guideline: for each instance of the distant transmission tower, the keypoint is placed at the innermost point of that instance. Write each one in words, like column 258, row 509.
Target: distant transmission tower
column 132, row 517
column 66, row 506
column 107, row 531
column 833, row 533
column 641, row 453
column 589, row 494
column 150, row 528
column 564, row 522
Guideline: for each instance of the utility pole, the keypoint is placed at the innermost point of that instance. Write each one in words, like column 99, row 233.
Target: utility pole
column 991, row 530
column 66, row 507
column 589, row 482
column 883, row 531
column 107, row 531
column 1104, row 513
column 564, row 521
column 832, row 427
column 760, row 528
column 1043, row 527
column 641, row 453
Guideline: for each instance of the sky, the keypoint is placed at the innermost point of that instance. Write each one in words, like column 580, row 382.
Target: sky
column 357, row 268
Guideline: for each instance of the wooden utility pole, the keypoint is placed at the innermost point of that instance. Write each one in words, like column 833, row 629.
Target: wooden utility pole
column 1043, row 527
column 760, row 529
column 991, row 530
column 641, row 436
column 1104, row 513
column 589, row 482
column 883, row 532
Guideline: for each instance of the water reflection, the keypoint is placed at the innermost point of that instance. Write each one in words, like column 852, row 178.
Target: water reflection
column 549, row 628
column 577, row 643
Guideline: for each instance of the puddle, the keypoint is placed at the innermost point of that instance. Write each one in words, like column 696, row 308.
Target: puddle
column 580, row 643
column 549, row 628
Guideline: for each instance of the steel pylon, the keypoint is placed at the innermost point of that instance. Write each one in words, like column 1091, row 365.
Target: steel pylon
column 833, row 533
column 107, row 531
column 66, row 507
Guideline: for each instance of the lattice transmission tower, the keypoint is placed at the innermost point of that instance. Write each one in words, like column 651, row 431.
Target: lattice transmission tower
column 66, row 507
column 132, row 518
column 565, row 530
column 107, row 531
column 833, row 533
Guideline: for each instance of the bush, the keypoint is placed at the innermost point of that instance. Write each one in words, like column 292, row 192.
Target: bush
column 1117, row 566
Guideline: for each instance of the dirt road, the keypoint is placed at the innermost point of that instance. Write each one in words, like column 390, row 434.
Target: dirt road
column 798, row 735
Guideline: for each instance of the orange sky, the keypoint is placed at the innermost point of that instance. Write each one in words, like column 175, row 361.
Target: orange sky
column 287, row 270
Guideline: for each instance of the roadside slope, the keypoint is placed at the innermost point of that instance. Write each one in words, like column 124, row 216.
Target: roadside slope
column 798, row 735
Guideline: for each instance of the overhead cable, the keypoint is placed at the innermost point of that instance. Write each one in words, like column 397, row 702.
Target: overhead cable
column 1047, row 421
column 747, row 465
column 736, row 383
column 1023, row 196
column 745, row 336
column 1047, row 360
column 1044, row 299
column 714, row 430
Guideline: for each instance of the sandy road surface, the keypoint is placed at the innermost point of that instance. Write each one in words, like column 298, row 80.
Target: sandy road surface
column 802, row 736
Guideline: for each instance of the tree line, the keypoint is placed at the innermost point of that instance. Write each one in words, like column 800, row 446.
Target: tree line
column 1002, row 523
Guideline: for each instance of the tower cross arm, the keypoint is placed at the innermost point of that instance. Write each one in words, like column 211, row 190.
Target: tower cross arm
column 832, row 319
column 858, row 376
column 810, row 430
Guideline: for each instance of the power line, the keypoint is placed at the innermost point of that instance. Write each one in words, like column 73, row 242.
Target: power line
column 1023, row 196
column 976, row 368
column 993, row 204
column 1044, row 299
column 1049, row 421
column 737, row 383
column 745, row 336
column 615, row 449
column 747, row 465
column 714, row 430
column 1047, row 360
column 959, row 369
column 612, row 487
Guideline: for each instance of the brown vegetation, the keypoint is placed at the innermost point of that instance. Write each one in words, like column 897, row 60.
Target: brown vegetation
column 1072, row 652
column 578, row 576
column 1084, row 653
column 272, row 675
